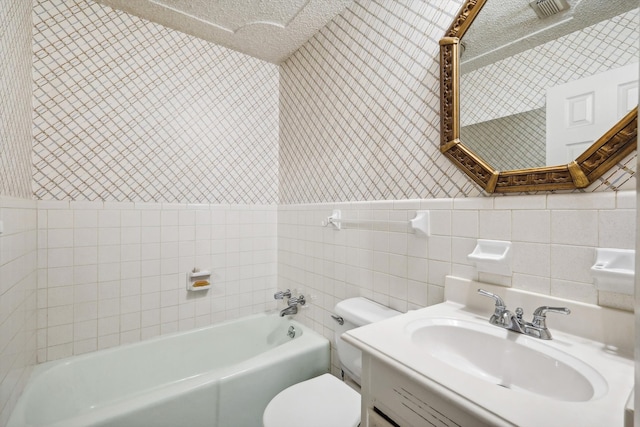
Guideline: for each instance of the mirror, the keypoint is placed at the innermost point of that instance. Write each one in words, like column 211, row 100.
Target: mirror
column 553, row 105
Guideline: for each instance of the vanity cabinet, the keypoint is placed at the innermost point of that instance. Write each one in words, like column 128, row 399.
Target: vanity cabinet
column 391, row 398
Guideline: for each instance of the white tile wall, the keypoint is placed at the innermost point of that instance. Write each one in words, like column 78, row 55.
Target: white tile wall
column 18, row 277
column 114, row 273
column 554, row 239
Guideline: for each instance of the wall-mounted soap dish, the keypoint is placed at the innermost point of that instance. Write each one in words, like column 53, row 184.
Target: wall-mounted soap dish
column 614, row 270
column 492, row 256
column 198, row 280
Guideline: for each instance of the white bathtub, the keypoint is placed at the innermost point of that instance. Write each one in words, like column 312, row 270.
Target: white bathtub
column 219, row 376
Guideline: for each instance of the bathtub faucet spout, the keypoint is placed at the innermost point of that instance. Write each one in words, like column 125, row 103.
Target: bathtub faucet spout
column 292, row 309
column 293, row 303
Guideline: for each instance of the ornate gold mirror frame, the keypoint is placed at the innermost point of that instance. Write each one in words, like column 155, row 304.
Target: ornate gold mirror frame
column 612, row 147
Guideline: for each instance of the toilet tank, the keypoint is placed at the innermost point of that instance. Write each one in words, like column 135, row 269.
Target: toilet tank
column 356, row 312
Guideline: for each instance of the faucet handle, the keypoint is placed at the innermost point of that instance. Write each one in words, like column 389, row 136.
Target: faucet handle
column 519, row 313
column 499, row 302
column 540, row 314
column 297, row 300
column 497, row 318
column 282, row 294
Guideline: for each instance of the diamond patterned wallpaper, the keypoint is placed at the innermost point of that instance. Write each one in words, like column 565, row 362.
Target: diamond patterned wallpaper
column 360, row 106
column 15, row 98
column 128, row 110
column 359, row 110
column 529, row 130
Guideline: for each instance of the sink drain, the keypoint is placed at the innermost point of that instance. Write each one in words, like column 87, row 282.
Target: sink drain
column 504, row 386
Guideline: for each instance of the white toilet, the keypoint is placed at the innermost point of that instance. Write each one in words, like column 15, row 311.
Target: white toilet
column 325, row 400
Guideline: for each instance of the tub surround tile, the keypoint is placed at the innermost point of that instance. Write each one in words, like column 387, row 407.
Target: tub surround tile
column 109, row 218
column 53, row 204
column 147, row 206
column 19, row 317
column 79, row 205
column 110, row 263
column 85, row 218
column 59, row 218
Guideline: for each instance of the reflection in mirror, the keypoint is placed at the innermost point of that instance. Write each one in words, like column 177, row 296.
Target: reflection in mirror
column 513, row 97
column 531, row 77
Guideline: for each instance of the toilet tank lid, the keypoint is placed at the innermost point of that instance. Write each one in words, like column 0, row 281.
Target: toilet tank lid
column 362, row 311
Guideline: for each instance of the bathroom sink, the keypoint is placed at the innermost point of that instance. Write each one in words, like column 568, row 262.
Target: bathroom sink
column 450, row 353
column 508, row 360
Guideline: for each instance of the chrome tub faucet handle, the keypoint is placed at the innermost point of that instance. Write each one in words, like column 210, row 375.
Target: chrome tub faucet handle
column 282, row 294
column 297, row 300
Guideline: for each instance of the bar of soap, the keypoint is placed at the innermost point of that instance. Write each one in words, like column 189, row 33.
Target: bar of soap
column 200, row 283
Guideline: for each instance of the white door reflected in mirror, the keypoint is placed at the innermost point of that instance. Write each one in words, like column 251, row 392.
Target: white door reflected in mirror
column 583, row 109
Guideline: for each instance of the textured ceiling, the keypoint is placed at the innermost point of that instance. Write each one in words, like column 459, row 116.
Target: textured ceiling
column 506, row 27
column 266, row 29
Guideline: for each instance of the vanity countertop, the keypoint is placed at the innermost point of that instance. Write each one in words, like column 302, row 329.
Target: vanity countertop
column 601, row 347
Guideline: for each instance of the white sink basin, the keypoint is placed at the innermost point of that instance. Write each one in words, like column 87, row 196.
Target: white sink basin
column 450, row 351
column 506, row 359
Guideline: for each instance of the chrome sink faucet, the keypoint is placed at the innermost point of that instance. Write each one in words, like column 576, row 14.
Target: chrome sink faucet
column 514, row 321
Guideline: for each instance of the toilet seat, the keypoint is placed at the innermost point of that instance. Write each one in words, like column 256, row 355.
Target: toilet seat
column 319, row 402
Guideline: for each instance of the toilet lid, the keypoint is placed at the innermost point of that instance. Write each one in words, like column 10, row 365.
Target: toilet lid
column 319, row 402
